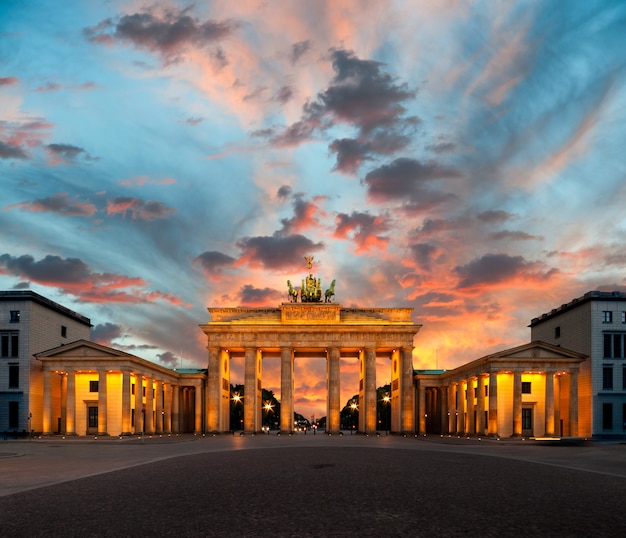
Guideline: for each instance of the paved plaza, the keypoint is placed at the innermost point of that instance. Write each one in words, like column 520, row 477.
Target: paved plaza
column 310, row 485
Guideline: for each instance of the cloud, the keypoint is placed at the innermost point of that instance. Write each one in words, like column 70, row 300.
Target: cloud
column 54, row 86
column 168, row 359
column 284, row 192
column 66, row 153
column 139, row 209
column 74, row 277
column 364, row 229
column 424, row 254
column 496, row 215
column 493, row 269
column 304, row 215
column 509, row 235
column 9, row 151
column 360, row 95
column 59, row 203
column 169, row 33
column 105, row 333
column 299, row 49
column 406, row 179
column 8, row 81
column 276, row 252
column 251, row 296
column 212, row 263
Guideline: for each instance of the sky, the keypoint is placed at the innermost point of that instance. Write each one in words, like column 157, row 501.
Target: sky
column 461, row 158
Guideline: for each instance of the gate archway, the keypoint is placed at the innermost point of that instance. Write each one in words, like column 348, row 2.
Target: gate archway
column 310, row 329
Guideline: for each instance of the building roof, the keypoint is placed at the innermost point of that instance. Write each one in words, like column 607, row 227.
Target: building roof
column 574, row 303
column 29, row 295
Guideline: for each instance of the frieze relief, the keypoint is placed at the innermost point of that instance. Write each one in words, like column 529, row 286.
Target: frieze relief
column 321, row 338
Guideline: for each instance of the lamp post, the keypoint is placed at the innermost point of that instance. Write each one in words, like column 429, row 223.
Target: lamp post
column 268, row 409
column 354, row 407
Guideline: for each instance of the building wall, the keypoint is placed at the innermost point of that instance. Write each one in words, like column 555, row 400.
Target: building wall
column 582, row 329
column 39, row 329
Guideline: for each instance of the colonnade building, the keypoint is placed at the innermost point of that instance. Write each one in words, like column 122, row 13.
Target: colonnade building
column 566, row 381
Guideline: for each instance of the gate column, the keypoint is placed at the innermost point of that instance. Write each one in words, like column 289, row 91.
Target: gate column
column 286, row 389
column 333, row 406
column 369, row 381
column 213, row 399
column 250, row 407
column 407, row 393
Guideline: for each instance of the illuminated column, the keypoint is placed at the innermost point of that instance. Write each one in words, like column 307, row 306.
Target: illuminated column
column 493, row 403
column 175, row 409
column 139, row 411
column 167, row 408
column 549, row 403
column 557, row 405
column 471, row 423
column 158, row 397
column 451, row 408
column 250, row 391
column 422, row 410
column 573, row 404
column 480, row 411
column 125, row 403
column 47, row 402
column 444, row 395
column 460, row 418
column 149, row 414
column 517, row 404
column 370, row 390
column 102, row 402
column 213, row 390
column 286, row 389
column 407, row 400
column 70, row 404
column 334, row 395
column 198, row 410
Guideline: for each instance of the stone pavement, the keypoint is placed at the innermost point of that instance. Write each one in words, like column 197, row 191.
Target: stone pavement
column 313, row 485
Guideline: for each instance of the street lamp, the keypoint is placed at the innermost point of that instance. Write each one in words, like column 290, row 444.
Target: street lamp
column 268, row 409
column 354, row 407
column 237, row 400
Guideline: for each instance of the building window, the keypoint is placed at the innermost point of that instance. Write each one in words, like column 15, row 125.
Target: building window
column 623, row 317
column 132, row 388
column 15, row 316
column 557, row 332
column 486, row 390
column 93, row 386
column 63, row 331
column 14, row 414
column 526, row 387
column 614, row 345
column 624, row 379
column 144, row 391
column 93, row 417
column 14, row 376
column 607, row 416
column 607, row 316
column 9, row 344
column 607, row 378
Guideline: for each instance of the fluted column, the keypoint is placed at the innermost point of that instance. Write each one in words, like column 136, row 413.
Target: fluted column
column 517, row 404
column 573, row 404
column 557, row 405
column 47, row 402
column 471, row 423
column 102, row 402
column 158, row 398
column 451, row 408
column 422, row 410
column 125, row 403
column 175, row 409
column 70, row 404
column 444, row 391
column 213, row 390
column 370, row 390
column 286, row 389
column 250, row 391
column 198, row 410
column 407, row 399
column 149, row 418
column 460, row 416
column 139, row 410
column 167, row 408
column 334, row 393
column 549, row 404
column 493, row 403
column 480, row 401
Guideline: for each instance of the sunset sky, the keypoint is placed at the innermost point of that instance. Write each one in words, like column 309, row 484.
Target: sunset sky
column 465, row 159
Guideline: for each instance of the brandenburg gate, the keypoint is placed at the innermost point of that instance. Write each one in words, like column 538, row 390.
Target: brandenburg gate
column 310, row 328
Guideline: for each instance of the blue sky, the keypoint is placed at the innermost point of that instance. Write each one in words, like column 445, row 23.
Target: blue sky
column 464, row 159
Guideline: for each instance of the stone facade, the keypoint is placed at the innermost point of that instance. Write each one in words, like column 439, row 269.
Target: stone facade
column 30, row 323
